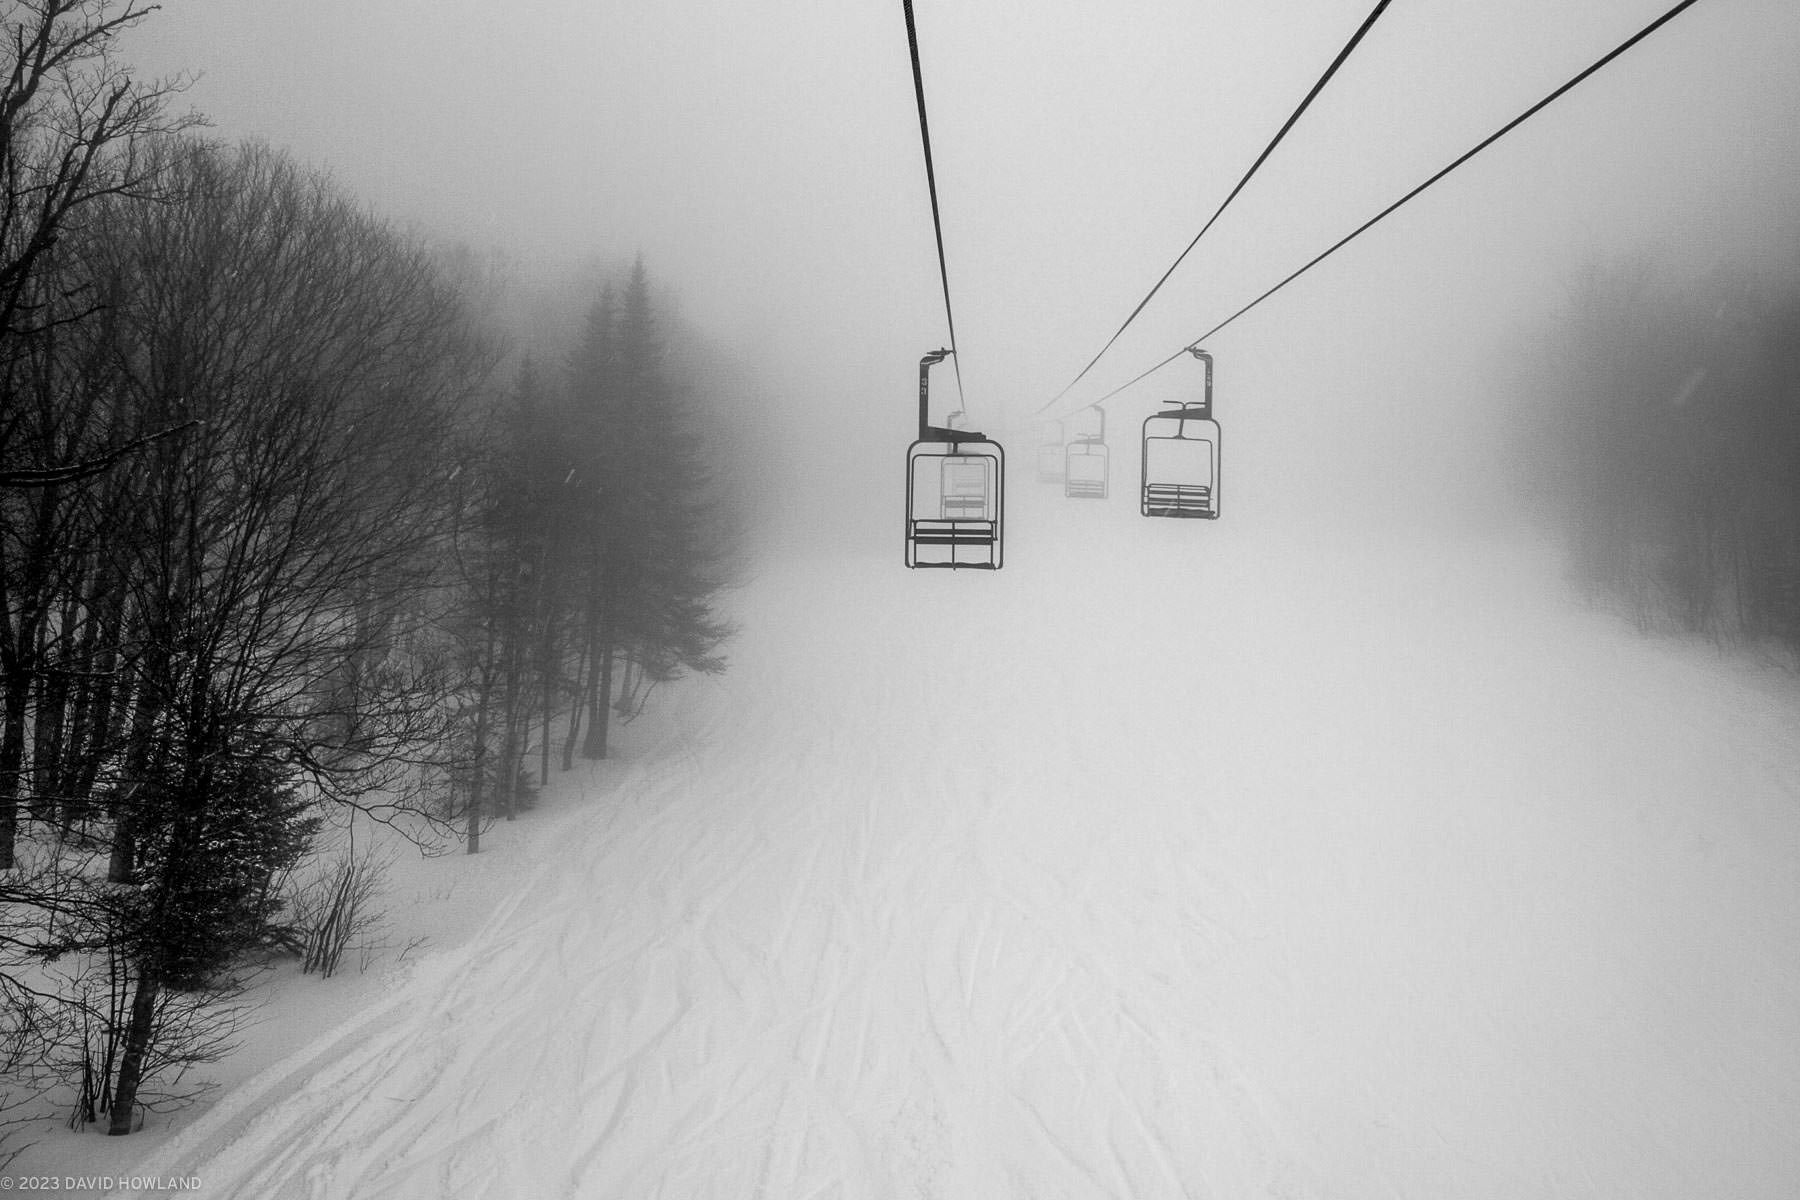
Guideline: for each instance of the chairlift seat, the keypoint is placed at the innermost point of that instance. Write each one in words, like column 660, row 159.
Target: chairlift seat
column 956, row 532
column 1178, row 500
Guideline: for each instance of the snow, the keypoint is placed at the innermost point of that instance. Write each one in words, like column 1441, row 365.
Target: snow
column 1181, row 859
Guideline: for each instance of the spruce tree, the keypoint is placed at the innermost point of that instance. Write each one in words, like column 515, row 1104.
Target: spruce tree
column 654, row 544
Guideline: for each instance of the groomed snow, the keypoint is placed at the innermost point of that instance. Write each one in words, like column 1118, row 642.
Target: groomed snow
column 1175, row 860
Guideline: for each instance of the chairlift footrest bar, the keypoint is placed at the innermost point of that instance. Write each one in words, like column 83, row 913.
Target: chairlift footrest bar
column 1178, row 500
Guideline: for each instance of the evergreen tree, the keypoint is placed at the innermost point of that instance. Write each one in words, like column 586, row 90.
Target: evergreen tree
column 655, row 543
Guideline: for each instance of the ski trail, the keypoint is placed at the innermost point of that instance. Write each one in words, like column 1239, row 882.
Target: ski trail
column 965, row 888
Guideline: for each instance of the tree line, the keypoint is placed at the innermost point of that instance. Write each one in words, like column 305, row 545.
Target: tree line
column 1664, row 446
column 285, row 533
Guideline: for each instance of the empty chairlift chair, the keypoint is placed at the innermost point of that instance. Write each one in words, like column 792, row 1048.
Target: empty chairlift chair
column 955, row 491
column 1085, row 464
column 1181, row 457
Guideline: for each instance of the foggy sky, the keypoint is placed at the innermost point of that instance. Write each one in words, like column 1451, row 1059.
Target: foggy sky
column 765, row 160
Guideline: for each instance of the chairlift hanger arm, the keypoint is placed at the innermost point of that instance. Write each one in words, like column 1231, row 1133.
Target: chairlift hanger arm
column 938, row 433
column 930, row 360
column 1099, row 435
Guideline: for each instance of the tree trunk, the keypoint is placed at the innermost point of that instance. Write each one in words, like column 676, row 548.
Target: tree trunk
column 507, row 776
column 594, row 744
column 627, row 683
column 547, row 674
column 514, row 723
column 547, row 707
column 89, row 739
column 12, row 766
column 575, row 704
column 131, row 1061
column 599, row 721
column 140, row 758
column 50, row 719
column 26, row 590
column 47, row 738
column 477, row 770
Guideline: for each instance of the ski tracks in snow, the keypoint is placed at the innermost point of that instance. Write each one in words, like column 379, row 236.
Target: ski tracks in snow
column 842, row 951
column 968, row 888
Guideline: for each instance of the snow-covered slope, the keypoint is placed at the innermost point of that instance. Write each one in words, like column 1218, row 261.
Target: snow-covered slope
column 1174, row 860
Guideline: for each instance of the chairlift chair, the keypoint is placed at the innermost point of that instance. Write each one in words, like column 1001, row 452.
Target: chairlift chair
column 1181, row 456
column 955, row 490
column 1085, row 464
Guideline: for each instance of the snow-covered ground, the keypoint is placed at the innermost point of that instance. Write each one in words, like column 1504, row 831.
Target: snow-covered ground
column 1178, row 859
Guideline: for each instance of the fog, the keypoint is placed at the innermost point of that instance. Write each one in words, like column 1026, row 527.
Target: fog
column 765, row 161
column 1307, row 852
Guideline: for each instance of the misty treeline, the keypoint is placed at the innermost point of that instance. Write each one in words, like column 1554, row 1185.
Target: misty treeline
column 1664, row 442
column 286, row 540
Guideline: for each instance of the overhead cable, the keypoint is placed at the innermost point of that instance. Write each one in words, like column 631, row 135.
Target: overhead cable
column 1368, row 23
column 1505, row 129
column 937, row 224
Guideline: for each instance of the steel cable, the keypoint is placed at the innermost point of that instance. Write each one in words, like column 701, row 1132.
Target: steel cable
column 1505, row 129
column 937, row 224
column 1368, row 23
